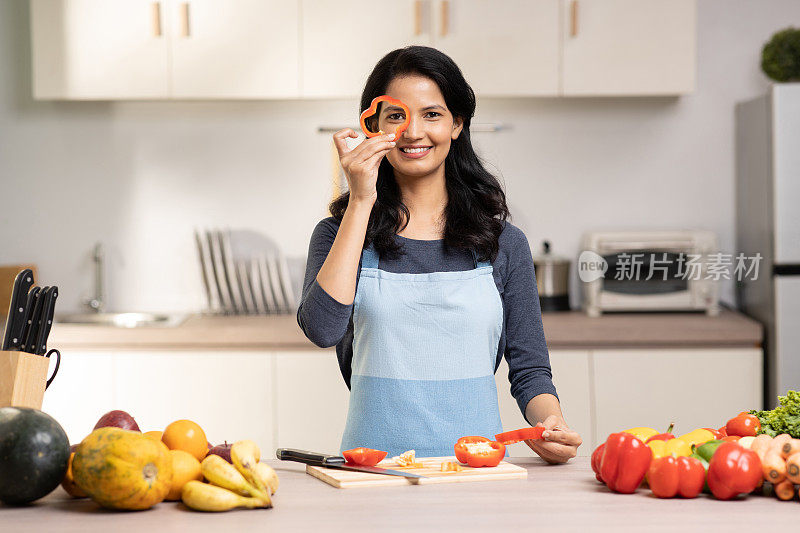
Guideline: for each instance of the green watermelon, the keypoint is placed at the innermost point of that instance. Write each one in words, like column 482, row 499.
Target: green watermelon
column 34, row 451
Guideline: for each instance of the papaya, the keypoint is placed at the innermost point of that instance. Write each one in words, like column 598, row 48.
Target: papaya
column 122, row 469
column 68, row 483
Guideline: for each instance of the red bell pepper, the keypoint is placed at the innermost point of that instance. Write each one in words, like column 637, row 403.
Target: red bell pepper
column 717, row 433
column 479, row 451
column 625, row 462
column 723, row 432
column 743, row 425
column 373, row 108
column 518, row 435
column 364, row 456
column 733, row 470
column 663, row 436
column 597, row 456
column 670, row 476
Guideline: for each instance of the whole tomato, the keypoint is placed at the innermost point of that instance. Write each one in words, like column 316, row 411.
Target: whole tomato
column 743, row 425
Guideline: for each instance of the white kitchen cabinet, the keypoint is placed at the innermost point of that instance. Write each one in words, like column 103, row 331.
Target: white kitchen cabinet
column 234, row 49
column 82, row 391
column 571, row 376
column 97, row 49
column 342, row 42
column 691, row 387
column 311, row 399
column 628, row 47
column 229, row 394
column 504, row 48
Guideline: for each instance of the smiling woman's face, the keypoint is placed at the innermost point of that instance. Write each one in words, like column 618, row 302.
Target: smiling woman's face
column 422, row 148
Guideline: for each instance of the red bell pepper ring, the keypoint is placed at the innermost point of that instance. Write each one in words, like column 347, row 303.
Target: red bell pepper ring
column 479, row 451
column 373, row 108
column 364, row 456
column 743, row 425
column 733, row 470
column 597, row 456
column 518, row 435
column 676, row 476
column 625, row 462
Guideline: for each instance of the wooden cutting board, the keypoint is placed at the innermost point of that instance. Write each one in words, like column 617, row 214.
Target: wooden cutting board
column 345, row 479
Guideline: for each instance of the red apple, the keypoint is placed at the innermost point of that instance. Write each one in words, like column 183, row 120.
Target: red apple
column 223, row 450
column 117, row 419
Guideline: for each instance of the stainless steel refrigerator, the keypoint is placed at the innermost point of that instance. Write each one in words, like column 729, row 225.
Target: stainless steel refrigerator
column 768, row 222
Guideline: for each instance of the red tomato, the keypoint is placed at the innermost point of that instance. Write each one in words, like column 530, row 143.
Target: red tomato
column 743, row 425
column 364, row 456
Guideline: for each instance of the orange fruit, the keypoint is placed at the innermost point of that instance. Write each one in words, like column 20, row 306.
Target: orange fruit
column 185, row 467
column 155, row 435
column 187, row 436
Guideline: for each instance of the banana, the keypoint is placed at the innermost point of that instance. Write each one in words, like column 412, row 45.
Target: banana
column 267, row 475
column 222, row 474
column 204, row 497
column 245, row 456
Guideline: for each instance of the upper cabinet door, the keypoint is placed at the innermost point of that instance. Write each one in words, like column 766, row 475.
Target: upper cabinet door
column 234, row 48
column 504, row 48
column 97, row 49
column 342, row 41
column 628, row 47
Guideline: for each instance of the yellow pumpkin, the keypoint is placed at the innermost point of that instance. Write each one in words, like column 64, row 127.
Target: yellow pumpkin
column 122, row 469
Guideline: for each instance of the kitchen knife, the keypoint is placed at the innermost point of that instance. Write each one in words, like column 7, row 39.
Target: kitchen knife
column 31, row 303
column 46, row 321
column 335, row 461
column 15, row 323
column 32, row 325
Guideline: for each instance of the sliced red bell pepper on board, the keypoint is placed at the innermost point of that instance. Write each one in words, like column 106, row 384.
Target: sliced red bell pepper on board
column 518, row 435
column 364, row 456
column 479, row 451
column 625, row 462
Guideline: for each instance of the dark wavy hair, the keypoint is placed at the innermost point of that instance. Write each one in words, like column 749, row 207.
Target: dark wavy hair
column 476, row 203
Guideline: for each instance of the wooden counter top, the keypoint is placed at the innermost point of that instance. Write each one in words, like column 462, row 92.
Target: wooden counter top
column 564, row 498
column 562, row 330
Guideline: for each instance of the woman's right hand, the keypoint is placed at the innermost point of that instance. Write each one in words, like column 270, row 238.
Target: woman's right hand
column 362, row 162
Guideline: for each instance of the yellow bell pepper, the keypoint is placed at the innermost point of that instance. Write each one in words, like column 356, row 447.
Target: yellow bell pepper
column 676, row 447
column 642, row 433
column 698, row 436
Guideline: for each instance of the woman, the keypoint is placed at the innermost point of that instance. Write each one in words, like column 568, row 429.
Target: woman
column 421, row 283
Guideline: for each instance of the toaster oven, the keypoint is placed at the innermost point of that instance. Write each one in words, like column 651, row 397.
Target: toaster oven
column 649, row 271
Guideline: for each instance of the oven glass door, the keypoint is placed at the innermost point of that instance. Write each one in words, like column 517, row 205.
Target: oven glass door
column 642, row 272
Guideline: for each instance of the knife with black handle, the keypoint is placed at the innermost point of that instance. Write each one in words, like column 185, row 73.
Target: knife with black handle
column 32, row 325
column 15, row 323
column 46, row 321
column 33, row 294
column 335, row 461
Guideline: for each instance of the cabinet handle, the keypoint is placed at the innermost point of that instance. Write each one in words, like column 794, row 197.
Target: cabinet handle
column 156, row 18
column 573, row 12
column 445, row 17
column 417, row 17
column 185, row 29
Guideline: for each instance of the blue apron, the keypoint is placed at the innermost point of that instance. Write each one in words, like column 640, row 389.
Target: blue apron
column 424, row 353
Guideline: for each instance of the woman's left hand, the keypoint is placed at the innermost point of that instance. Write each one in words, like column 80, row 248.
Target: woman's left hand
column 559, row 444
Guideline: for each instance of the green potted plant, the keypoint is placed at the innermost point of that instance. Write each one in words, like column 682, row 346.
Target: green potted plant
column 780, row 58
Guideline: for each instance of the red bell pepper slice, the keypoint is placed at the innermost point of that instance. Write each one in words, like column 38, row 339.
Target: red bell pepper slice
column 373, row 108
column 518, row 435
column 625, row 462
column 671, row 476
column 479, row 451
column 733, row 470
column 364, row 456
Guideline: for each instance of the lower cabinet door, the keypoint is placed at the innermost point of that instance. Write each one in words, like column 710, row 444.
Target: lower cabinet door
column 693, row 388
column 228, row 393
column 571, row 377
column 311, row 399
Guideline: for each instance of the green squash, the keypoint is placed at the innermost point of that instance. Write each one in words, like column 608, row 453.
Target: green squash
column 34, row 453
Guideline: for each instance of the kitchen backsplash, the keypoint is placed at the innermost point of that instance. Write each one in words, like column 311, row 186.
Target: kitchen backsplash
column 140, row 176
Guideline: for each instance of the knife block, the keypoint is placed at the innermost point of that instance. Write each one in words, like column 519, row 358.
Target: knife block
column 23, row 378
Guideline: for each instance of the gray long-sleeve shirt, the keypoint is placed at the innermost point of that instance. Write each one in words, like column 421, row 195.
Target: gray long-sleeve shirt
column 327, row 322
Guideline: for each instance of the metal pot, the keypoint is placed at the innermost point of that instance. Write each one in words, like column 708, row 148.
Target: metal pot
column 552, row 279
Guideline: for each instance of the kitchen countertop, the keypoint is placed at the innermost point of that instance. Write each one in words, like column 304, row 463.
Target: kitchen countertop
column 564, row 498
column 572, row 329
